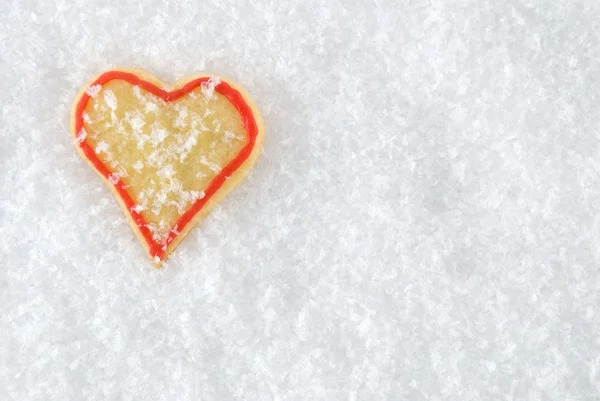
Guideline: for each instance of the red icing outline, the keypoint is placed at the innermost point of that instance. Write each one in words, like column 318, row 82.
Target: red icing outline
column 236, row 99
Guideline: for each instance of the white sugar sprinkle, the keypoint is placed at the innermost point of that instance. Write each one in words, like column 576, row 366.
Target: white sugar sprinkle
column 138, row 165
column 93, row 90
column 110, row 99
column 80, row 137
column 102, row 147
column 113, row 178
column 208, row 87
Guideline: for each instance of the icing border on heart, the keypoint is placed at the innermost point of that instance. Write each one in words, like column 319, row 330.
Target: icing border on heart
column 232, row 92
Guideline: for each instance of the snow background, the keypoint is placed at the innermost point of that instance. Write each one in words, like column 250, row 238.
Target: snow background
column 423, row 224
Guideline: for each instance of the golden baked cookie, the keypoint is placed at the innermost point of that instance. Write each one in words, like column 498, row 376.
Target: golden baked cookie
column 170, row 153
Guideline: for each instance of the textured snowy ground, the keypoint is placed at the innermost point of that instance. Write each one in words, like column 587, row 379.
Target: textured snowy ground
column 423, row 223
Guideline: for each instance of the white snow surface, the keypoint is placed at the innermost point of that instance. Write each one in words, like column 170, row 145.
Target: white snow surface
column 423, row 223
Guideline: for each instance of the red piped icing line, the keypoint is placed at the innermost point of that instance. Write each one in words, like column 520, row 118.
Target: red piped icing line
column 234, row 97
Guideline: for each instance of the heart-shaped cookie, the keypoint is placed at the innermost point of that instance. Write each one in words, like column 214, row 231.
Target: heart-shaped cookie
column 170, row 153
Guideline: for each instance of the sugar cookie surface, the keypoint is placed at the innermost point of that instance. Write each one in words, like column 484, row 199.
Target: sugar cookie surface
column 170, row 153
column 165, row 153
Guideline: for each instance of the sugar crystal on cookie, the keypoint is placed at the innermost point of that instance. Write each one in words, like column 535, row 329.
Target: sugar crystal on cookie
column 93, row 90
